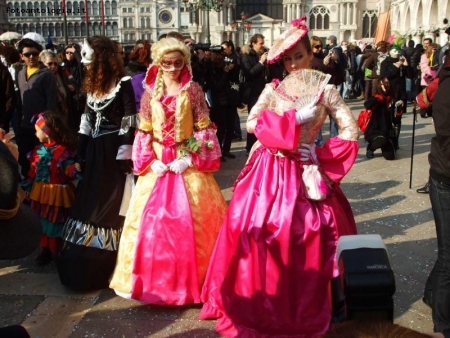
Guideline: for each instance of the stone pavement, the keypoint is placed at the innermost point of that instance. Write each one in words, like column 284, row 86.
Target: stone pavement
column 382, row 203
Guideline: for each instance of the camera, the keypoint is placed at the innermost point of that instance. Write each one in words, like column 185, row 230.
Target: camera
column 202, row 46
column 216, row 49
column 228, row 60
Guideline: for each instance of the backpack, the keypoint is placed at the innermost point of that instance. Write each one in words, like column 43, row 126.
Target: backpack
column 380, row 59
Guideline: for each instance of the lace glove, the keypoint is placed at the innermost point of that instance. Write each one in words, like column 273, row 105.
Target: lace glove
column 180, row 165
column 308, row 153
column 159, row 168
column 305, row 114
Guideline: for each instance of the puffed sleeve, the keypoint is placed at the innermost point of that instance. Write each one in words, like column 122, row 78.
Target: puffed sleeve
column 207, row 158
column 271, row 129
column 129, row 110
column 338, row 154
column 142, row 152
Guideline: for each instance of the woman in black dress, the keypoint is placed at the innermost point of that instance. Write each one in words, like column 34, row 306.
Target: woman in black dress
column 92, row 231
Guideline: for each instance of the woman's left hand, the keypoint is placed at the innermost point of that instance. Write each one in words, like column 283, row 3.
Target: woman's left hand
column 180, row 165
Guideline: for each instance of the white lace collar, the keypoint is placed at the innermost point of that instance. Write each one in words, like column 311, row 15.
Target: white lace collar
column 92, row 100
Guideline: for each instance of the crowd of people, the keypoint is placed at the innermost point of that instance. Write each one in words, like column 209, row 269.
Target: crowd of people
column 116, row 155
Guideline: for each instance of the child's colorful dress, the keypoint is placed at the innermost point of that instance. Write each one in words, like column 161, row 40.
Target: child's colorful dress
column 51, row 190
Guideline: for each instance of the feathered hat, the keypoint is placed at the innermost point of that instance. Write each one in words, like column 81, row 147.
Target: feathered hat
column 287, row 39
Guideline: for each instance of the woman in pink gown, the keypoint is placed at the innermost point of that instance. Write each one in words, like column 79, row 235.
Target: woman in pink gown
column 275, row 254
column 176, row 208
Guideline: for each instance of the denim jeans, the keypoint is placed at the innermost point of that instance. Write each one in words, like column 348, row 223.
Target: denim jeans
column 439, row 278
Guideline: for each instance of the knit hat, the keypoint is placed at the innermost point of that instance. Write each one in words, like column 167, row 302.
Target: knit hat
column 333, row 38
column 287, row 39
column 20, row 228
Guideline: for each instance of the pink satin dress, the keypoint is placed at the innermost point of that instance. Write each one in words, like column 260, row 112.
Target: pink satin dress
column 275, row 254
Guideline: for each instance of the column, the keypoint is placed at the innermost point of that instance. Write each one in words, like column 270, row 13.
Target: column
column 348, row 14
column 289, row 16
column 298, row 12
column 341, row 13
column 354, row 14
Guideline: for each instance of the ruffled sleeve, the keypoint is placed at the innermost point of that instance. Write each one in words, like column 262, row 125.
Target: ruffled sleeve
column 338, row 154
column 207, row 158
column 143, row 154
column 129, row 109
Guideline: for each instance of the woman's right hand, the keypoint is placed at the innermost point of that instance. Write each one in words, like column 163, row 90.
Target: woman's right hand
column 159, row 168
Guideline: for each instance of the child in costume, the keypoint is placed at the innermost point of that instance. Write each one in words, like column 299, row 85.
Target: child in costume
column 176, row 209
column 275, row 255
column 49, row 185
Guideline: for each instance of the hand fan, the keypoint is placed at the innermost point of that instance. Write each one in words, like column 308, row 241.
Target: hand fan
column 298, row 89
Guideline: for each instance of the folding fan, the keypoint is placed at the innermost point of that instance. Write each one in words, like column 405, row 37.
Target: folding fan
column 299, row 89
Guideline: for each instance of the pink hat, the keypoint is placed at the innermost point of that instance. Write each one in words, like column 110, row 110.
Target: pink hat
column 287, row 39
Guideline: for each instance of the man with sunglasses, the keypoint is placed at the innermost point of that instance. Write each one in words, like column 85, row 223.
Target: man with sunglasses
column 38, row 93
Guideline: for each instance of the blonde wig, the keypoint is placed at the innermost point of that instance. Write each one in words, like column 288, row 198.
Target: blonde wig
column 161, row 48
column 167, row 45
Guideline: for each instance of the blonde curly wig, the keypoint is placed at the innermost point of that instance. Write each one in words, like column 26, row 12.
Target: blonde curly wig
column 167, row 45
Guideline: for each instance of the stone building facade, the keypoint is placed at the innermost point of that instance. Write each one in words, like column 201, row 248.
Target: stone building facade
column 419, row 19
column 129, row 20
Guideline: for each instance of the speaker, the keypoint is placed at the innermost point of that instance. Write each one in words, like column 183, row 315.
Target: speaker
column 366, row 283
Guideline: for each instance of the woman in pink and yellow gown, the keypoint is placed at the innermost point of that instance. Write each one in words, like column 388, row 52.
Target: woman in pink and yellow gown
column 176, row 208
column 275, row 254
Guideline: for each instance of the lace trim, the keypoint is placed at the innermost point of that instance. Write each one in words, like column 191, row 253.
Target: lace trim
column 130, row 121
column 85, row 234
column 91, row 99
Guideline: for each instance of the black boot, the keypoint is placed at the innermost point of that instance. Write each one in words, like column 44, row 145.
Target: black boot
column 425, row 189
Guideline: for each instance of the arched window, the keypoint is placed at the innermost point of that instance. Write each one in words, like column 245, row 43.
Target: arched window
column 38, row 28
column 95, row 8
column 51, row 29
column 96, row 28
column 16, row 5
column 81, row 8
column 43, row 9
column 19, row 28
column 125, row 23
column 76, row 8
column 369, row 24
column 319, row 18
column 44, row 29
column 58, row 30
column 25, row 28
column 114, row 8
column 23, row 9
column 142, row 22
column 83, row 29
column 130, row 22
column 10, row 5
column 49, row 9
column 77, row 29
column 70, row 29
column 36, row 7
column 107, row 8
column 147, row 22
column 69, row 9
column 32, row 28
column 108, row 29
column 89, row 8
column 115, row 29
column 91, row 32
column 30, row 9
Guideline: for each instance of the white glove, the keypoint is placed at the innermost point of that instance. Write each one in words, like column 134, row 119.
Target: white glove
column 305, row 114
column 399, row 103
column 159, row 168
column 308, row 153
column 180, row 165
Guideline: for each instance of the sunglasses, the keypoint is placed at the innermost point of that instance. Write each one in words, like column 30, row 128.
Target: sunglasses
column 30, row 54
column 52, row 64
column 318, row 46
column 172, row 64
column 71, row 53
